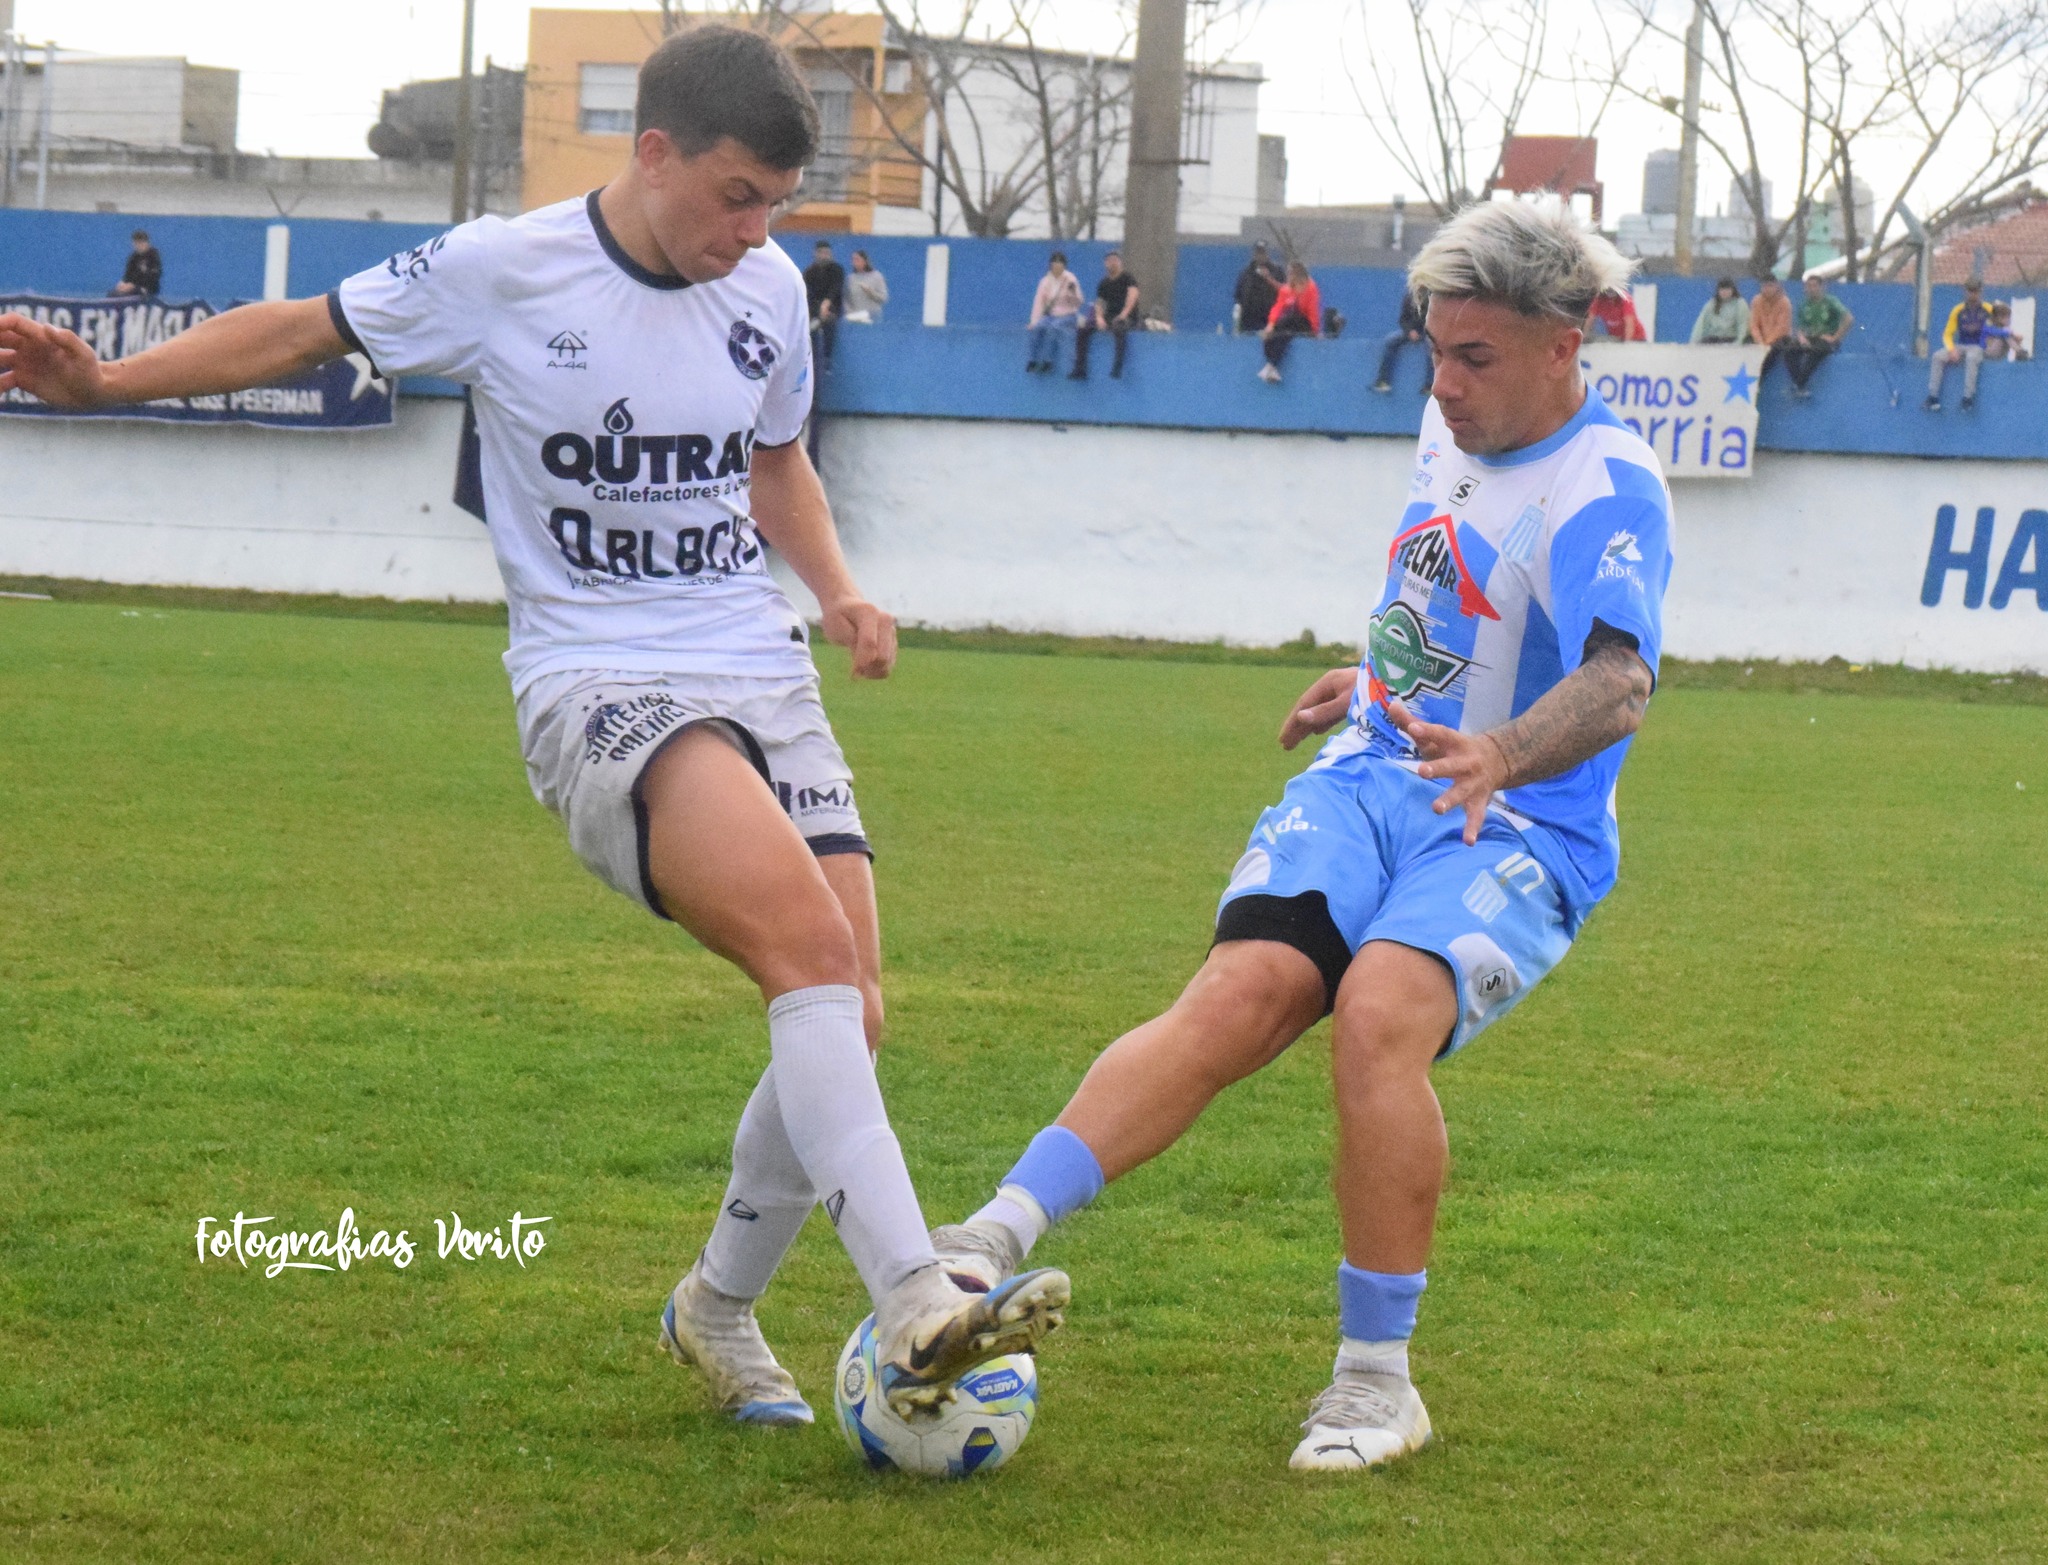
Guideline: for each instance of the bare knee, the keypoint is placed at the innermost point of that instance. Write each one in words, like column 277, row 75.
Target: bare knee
column 809, row 947
column 1253, row 998
column 1395, row 1012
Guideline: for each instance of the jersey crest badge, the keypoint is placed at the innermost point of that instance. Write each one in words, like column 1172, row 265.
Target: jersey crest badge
column 753, row 355
column 1429, row 552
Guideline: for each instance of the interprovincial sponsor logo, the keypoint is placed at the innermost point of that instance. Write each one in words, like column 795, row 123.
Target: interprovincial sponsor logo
column 753, row 355
column 1430, row 555
column 617, row 728
column 1404, row 660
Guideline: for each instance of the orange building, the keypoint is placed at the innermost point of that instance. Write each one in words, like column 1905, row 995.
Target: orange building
column 580, row 80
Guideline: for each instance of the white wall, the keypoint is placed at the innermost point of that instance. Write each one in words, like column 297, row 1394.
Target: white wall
column 1083, row 530
column 366, row 514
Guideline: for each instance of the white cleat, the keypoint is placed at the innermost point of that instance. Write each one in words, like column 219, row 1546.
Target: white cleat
column 978, row 1256
column 930, row 1331
column 1359, row 1421
column 719, row 1334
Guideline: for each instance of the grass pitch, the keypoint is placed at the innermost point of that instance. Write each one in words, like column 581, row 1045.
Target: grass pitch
column 1742, row 1258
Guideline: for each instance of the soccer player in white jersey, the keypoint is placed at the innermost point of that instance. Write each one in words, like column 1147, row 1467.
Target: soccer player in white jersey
column 639, row 365
column 1439, row 855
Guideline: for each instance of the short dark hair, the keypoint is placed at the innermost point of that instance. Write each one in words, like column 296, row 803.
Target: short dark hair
column 1728, row 283
column 1057, row 255
column 822, row 244
column 1114, row 255
column 140, row 236
column 1975, row 285
column 708, row 83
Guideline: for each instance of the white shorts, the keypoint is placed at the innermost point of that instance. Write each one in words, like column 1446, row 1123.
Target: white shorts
column 587, row 738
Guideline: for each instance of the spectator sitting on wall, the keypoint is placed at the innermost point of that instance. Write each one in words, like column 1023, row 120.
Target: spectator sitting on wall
column 1297, row 312
column 825, row 286
column 144, row 273
column 1770, row 320
column 1822, row 323
column 1055, row 308
column 1410, row 330
column 867, row 290
column 1962, row 342
column 2000, row 340
column 1615, row 315
column 1258, row 285
column 1116, row 311
column 1723, row 318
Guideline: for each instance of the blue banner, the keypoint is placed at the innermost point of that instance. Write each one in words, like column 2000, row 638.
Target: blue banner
column 344, row 393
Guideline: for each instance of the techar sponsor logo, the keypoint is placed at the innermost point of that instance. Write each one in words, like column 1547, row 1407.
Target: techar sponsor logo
column 615, row 457
column 1429, row 552
column 2023, row 565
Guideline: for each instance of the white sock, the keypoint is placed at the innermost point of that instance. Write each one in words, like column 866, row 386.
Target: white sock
column 1015, row 1209
column 832, row 1110
column 766, row 1200
column 1374, row 1358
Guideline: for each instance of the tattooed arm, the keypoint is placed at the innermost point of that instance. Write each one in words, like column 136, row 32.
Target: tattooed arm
column 1598, row 703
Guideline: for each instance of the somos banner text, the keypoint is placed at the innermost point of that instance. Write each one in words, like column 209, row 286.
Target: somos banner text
column 341, row 394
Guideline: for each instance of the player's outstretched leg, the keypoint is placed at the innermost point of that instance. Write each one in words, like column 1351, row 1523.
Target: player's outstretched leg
column 1395, row 1010
column 1251, row 999
column 730, row 867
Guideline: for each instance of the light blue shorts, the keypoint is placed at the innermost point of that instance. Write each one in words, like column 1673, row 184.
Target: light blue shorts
column 1353, row 852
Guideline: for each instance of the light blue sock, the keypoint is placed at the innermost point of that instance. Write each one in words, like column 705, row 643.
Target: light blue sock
column 1058, row 1172
column 1378, row 1306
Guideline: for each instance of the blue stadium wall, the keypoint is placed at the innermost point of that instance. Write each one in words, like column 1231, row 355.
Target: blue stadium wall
column 218, row 258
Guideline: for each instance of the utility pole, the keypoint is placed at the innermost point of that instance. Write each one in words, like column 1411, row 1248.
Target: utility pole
column 458, row 193
column 1689, row 142
column 10, row 51
column 483, row 154
column 43, row 126
column 1152, row 183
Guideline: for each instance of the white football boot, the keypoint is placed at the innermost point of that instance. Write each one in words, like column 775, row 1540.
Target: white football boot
column 977, row 1255
column 1361, row 1420
column 930, row 1331
column 719, row 1334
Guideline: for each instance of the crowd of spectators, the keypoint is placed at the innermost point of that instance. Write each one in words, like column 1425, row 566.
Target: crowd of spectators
column 1975, row 331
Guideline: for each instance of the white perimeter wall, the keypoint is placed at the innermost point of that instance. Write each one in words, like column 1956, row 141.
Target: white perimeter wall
column 1088, row 531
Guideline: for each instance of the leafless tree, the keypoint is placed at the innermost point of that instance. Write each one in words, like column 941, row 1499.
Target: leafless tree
column 1943, row 82
column 1473, row 64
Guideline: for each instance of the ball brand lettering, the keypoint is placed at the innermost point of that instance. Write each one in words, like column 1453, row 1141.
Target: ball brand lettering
column 616, row 457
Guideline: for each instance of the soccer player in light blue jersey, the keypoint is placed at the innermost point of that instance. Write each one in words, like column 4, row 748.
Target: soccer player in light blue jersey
column 1441, row 852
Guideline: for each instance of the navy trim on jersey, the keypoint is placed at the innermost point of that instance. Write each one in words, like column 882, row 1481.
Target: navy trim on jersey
column 469, row 464
column 742, row 738
column 618, row 256
column 1592, row 411
column 827, row 843
column 346, row 332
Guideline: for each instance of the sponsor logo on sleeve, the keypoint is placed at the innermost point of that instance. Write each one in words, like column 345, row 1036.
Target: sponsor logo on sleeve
column 409, row 266
column 1620, row 557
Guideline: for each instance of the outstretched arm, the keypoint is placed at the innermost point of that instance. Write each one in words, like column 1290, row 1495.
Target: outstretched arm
column 1598, row 703
column 792, row 514
column 248, row 346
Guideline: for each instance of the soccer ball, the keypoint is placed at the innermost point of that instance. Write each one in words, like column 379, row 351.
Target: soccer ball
column 976, row 1432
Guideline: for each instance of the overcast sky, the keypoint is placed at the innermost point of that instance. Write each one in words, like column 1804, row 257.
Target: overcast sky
column 312, row 75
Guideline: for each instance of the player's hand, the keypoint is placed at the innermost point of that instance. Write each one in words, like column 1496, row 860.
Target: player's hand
column 1475, row 763
column 50, row 363
column 1322, row 707
column 869, row 631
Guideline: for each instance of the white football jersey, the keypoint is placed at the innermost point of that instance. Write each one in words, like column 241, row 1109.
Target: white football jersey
column 617, row 413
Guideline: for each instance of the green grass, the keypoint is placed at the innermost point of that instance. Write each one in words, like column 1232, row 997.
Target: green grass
column 1742, row 1256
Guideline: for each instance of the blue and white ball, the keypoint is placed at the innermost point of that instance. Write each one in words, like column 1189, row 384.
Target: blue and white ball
column 976, row 1432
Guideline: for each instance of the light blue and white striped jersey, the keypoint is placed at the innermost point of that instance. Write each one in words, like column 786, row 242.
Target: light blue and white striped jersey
column 1499, row 571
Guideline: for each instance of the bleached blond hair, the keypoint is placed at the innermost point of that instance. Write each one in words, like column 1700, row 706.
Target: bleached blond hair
column 1538, row 259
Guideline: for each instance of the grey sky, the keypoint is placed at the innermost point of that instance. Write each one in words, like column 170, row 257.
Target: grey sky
column 311, row 75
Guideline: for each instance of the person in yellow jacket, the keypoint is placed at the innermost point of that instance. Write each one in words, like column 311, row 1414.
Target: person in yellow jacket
column 1962, row 341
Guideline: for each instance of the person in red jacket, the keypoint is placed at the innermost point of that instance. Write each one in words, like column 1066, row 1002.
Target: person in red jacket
column 1615, row 314
column 1298, row 312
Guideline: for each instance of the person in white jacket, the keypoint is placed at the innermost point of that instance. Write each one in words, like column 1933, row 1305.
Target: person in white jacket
column 1055, row 308
column 866, row 291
